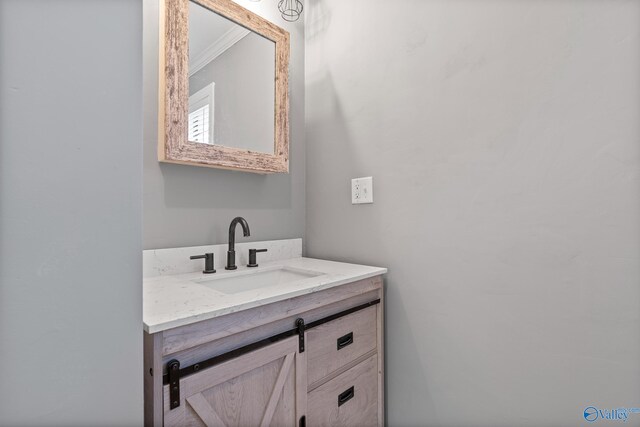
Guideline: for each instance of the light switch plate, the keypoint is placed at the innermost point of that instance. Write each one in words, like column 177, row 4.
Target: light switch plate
column 362, row 190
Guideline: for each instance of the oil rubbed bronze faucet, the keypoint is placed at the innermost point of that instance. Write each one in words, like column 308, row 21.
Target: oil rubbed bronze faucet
column 208, row 262
column 231, row 253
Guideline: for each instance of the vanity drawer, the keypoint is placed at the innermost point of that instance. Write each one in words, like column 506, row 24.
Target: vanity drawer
column 350, row 399
column 339, row 342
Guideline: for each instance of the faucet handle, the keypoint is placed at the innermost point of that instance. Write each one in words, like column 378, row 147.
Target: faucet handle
column 252, row 257
column 208, row 262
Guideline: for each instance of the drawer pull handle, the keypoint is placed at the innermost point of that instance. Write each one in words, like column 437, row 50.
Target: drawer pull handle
column 346, row 396
column 345, row 340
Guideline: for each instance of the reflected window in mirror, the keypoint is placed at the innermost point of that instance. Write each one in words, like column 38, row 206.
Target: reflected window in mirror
column 201, row 115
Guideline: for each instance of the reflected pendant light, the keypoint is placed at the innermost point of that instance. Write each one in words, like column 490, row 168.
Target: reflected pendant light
column 290, row 9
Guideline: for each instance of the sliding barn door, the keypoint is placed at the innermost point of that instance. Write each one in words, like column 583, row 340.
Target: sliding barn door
column 263, row 388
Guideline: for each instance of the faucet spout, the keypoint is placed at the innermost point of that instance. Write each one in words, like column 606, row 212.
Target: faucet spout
column 231, row 253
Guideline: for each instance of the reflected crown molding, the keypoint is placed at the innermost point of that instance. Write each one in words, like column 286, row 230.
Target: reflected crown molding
column 217, row 48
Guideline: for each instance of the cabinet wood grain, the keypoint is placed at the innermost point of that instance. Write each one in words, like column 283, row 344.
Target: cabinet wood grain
column 257, row 389
column 326, row 409
column 360, row 336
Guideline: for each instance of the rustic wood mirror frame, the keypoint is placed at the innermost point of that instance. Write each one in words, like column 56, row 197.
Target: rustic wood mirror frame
column 173, row 94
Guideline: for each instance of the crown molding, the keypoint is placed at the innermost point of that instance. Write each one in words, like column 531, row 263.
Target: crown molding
column 217, row 48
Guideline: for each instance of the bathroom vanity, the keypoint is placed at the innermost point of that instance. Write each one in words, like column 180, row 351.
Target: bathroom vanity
column 293, row 342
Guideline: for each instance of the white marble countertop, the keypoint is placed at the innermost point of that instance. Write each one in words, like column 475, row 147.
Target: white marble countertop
column 176, row 300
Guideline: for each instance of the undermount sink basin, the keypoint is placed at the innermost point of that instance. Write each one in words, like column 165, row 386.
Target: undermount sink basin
column 247, row 280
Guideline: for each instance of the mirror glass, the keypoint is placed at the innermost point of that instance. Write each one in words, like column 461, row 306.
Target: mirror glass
column 231, row 83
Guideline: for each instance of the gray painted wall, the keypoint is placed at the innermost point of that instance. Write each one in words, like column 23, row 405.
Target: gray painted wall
column 70, row 212
column 244, row 77
column 503, row 139
column 187, row 205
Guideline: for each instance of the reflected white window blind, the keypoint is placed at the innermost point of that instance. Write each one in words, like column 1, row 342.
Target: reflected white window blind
column 201, row 108
column 199, row 125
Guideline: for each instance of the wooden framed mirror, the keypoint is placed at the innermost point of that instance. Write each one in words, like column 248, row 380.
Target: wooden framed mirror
column 223, row 87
